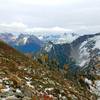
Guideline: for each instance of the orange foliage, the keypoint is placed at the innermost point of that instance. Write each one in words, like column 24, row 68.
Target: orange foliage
column 42, row 97
column 45, row 58
column 98, row 66
column 66, row 67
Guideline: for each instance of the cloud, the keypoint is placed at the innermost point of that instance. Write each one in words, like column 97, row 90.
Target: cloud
column 20, row 27
column 42, row 2
column 12, row 27
column 53, row 29
column 87, row 29
column 45, row 15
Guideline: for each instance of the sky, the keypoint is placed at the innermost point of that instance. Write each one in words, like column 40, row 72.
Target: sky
column 50, row 15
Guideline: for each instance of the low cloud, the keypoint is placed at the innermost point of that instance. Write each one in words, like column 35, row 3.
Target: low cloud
column 14, row 24
column 53, row 29
column 13, row 27
column 20, row 27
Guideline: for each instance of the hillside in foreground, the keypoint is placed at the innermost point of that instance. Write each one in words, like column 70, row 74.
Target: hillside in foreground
column 24, row 79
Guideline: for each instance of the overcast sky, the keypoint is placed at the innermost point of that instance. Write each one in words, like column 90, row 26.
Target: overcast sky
column 49, row 15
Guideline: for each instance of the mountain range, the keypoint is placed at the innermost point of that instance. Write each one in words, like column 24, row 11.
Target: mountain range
column 82, row 55
column 23, row 42
column 76, row 61
column 58, row 38
column 22, row 78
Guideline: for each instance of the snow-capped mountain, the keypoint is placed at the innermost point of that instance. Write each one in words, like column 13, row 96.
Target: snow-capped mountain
column 8, row 37
column 59, row 38
column 26, row 39
column 83, row 56
column 89, row 61
column 84, row 48
column 80, row 50
column 28, row 43
column 88, row 49
column 24, row 42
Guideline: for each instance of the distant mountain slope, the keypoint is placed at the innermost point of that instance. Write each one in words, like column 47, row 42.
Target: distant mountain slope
column 84, row 46
column 24, row 43
column 28, row 43
column 60, row 52
column 8, row 38
column 63, row 53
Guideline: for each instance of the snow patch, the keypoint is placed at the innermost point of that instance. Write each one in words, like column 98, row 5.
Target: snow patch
column 84, row 55
column 96, row 89
column 91, row 43
column 25, row 40
column 48, row 48
column 97, row 40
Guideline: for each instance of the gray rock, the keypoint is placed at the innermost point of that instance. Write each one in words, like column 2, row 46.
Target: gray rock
column 12, row 98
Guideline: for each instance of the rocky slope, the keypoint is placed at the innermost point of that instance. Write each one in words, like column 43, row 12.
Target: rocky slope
column 24, row 79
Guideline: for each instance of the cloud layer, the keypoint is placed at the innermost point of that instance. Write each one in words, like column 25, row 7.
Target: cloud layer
column 49, row 15
column 20, row 27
